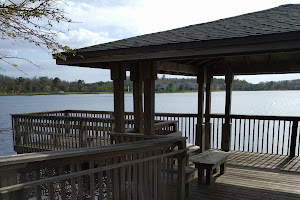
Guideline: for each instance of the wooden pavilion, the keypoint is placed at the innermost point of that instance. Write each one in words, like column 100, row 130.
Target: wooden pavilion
column 266, row 42
column 136, row 161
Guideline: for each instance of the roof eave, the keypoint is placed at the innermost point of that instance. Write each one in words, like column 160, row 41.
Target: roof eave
column 213, row 48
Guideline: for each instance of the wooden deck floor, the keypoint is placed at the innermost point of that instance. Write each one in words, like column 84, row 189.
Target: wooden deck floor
column 254, row 176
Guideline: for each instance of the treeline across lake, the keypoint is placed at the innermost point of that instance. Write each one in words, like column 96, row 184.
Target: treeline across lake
column 22, row 85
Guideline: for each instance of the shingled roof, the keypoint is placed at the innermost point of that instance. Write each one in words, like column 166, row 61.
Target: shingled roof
column 267, row 41
column 282, row 19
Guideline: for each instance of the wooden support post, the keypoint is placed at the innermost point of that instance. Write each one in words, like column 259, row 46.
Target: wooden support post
column 135, row 76
column 208, row 110
column 149, row 75
column 118, row 75
column 200, row 136
column 227, row 125
column 294, row 138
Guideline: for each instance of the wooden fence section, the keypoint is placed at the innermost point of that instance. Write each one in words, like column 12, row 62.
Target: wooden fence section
column 34, row 133
column 251, row 133
column 261, row 134
column 138, row 170
column 60, row 130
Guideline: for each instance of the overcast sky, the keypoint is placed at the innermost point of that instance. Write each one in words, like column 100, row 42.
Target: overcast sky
column 108, row 20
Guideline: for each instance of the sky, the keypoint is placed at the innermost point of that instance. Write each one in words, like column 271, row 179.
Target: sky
column 100, row 21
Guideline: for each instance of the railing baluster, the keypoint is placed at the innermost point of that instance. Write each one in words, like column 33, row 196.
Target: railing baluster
column 278, row 137
column 283, row 138
column 73, row 181
column 267, row 151
column 240, row 134
column 38, row 187
column 80, row 184
column 244, row 135
column 263, row 136
column 273, row 138
column 258, row 135
column 288, row 137
column 92, row 181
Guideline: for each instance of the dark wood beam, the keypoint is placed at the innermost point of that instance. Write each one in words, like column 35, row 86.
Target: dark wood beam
column 227, row 125
column 175, row 67
column 118, row 76
column 244, row 65
column 135, row 76
column 200, row 133
column 149, row 75
column 209, row 78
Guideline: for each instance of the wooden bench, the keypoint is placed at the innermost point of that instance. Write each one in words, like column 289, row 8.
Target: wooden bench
column 210, row 162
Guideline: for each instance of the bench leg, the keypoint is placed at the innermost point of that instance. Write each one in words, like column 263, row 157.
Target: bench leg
column 223, row 168
column 188, row 190
column 215, row 170
column 209, row 175
column 200, row 176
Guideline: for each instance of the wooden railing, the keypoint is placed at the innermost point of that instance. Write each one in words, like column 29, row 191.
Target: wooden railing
column 138, row 170
column 252, row 133
column 261, row 134
column 34, row 133
column 61, row 130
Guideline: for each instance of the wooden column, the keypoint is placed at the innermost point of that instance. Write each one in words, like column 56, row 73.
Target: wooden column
column 118, row 75
column 200, row 133
column 149, row 75
column 208, row 109
column 135, row 76
column 227, row 125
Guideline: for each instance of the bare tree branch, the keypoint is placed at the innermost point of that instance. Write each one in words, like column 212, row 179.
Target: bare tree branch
column 32, row 21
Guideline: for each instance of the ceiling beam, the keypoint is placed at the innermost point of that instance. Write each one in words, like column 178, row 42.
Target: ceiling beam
column 176, row 68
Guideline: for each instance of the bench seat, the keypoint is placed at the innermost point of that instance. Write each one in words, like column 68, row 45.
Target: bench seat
column 209, row 162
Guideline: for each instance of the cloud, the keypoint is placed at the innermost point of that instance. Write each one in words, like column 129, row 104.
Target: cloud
column 116, row 18
column 83, row 37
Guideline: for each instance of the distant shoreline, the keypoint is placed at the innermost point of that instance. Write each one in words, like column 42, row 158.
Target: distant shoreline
column 66, row 93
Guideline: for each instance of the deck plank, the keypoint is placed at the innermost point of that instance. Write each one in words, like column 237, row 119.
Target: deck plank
column 253, row 176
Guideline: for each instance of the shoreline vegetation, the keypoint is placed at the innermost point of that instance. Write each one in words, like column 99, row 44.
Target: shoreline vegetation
column 49, row 86
column 68, row 93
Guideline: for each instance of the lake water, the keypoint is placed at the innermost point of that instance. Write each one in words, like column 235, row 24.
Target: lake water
column 280, row 103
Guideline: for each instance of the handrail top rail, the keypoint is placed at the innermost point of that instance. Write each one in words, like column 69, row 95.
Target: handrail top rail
column 216, row 115
column 52, row 155
column 65, row 111
column 143, row 136
column 158, row 123
column 262, row 117
column 61, row 117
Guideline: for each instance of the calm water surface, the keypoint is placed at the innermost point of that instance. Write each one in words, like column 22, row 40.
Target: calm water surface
column 282, row 103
